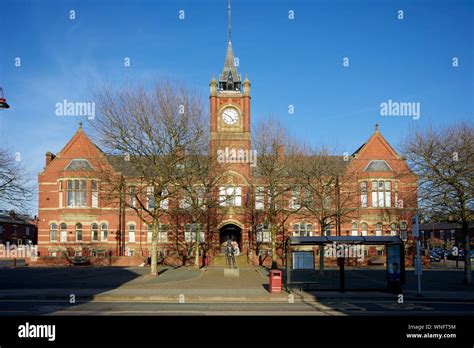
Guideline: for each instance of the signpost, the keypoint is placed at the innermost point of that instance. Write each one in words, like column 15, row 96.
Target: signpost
column 418, row 264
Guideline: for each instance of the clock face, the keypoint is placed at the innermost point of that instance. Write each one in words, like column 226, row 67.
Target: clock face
column 230, row 116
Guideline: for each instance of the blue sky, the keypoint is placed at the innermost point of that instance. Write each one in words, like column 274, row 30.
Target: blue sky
column 289, row 62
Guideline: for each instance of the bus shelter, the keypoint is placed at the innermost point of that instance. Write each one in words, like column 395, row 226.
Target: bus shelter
column 395, row 265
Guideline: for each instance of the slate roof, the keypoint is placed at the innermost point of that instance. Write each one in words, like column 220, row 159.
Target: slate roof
column 19, row 219
column 341, row 159
column 229, row 66
column 119, row 163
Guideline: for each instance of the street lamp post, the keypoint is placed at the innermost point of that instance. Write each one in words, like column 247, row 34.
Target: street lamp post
column 3, row 101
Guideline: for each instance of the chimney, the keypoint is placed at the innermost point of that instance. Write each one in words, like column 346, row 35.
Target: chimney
column 49, row 158
column 281, row 152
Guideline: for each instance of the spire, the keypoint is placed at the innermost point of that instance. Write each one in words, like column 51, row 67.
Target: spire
column 229, row 21
column 229, row 80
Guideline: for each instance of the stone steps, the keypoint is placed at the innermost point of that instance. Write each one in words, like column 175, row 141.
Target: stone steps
column 220, row 260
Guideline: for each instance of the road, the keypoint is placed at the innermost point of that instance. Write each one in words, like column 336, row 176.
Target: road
column 321, row 308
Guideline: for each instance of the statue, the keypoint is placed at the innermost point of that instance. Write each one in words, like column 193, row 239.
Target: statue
column 230, row 254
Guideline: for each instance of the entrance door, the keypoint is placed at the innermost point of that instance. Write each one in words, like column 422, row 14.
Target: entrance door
column 230, row 232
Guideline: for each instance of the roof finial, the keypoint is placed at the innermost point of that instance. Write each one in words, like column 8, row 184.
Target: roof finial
column 229, row 21
column 376, row 127
column 80, row 125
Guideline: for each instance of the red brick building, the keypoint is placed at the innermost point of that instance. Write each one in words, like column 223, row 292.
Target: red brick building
column 450, row 233
column 17, row 229
column 74, row 217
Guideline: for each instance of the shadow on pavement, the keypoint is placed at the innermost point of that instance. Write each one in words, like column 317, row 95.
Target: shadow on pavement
column 39, row 291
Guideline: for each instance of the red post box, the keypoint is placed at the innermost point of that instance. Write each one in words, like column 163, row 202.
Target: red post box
column 275, row 281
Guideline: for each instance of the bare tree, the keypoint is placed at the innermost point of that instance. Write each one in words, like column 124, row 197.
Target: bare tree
column 146, row 131
column 328, row 189
column 257, row 218
column 197, row 189
column 443, row 159
column 274, row 149
column 16, row 187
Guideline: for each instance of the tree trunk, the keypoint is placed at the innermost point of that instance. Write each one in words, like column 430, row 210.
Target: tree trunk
column 196, row 250
column 321, row 255
column 274, row 254
column 467, row 253
column 154, row 249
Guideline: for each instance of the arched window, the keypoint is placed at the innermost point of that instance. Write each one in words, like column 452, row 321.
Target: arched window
column 53, row 232
column 355, row 228
column 131, row 233
column 94, row 232
column 378, row 229
column 78, row 232
column 363, row 228
column 393, row 229
column 63, row 232
column 103, row 232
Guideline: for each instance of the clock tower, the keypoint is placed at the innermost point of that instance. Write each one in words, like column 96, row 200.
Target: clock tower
column 230, row 113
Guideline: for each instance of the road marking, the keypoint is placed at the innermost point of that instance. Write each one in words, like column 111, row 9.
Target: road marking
column 404, row 306
column 345, row 306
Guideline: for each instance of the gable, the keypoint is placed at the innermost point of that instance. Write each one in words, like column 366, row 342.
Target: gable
column 80, row 146
column 376, row 148
column 80, row 154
